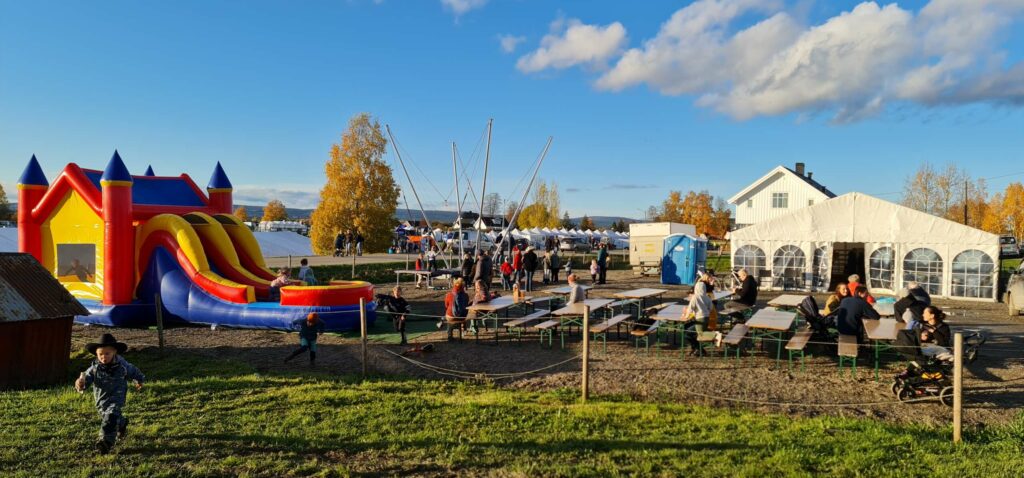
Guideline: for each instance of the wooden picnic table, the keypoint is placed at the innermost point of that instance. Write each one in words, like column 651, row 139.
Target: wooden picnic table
column 774, row 323
column 878, row 331
column 577, row 308
column 787, row 301
column 638, row 296
column 885, row 309
column 491, row 309
column 672, row 313
column 721, row 294
column 430, row 275
column 566, row 290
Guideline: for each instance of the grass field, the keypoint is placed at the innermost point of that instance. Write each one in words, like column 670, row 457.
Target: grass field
column 199, row 417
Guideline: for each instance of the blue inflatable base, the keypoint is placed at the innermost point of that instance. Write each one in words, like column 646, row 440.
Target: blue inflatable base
column 186, row 303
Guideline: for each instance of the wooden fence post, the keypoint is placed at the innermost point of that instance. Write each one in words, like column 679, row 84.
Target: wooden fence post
column 362, row 330
column 958, row 385
column 159, row 320
column 586, row 352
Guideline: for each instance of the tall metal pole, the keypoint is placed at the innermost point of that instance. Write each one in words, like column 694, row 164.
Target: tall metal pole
column 965, row 202
column 586, row 353
column 458, row 202
column 522, row 201
column 958, row 385
column 483, row 188
column 407, row 177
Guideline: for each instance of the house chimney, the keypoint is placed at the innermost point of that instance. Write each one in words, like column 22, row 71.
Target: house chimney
column 809, row 175
column 800, row 169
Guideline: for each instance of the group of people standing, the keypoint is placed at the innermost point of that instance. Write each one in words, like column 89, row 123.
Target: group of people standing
column 345, row 243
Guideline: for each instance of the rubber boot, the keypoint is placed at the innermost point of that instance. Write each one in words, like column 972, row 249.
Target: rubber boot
column 312, row 359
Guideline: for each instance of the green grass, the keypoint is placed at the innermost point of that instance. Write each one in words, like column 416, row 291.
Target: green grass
column 217, row 418
column 381, row 273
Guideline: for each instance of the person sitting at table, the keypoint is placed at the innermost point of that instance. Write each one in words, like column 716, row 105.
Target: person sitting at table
column 456, row 306
column 841, row 292
column 910, row 308
column 929, row 338
column 697, row 314
column 480, row 295
column 467, row 267
column 710, row 280
column 851, row 314
column 746, row 292
column 576, row 292
column 854, row 283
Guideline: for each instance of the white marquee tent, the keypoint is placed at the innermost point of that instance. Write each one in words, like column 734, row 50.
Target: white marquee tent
column 812, row 247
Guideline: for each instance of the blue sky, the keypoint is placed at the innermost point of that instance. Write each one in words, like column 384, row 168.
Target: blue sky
column 638, row 104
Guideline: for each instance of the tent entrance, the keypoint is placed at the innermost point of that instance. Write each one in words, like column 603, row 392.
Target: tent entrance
column 847, row 259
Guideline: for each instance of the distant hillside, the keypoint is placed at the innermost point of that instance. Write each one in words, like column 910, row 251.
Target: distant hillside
column 605, row 221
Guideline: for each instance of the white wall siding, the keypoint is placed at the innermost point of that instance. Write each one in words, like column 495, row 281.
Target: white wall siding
column 799, row 194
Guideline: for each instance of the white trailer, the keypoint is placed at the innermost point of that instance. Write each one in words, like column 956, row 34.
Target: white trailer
column 646, row 243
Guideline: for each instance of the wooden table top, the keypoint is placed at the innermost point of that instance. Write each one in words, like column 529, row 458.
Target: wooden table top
column 566, row 290
column 885, row 329
column 771, row 319
column 498, row 304
column 721, row 294
column 787, row 300
column 673, row 313
column 885, row 309
column 577, row 308
column 642, row 293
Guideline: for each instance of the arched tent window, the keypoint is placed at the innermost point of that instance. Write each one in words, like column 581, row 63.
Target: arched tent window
column 751, row 258
column 972, row 274
column 880, row 268
column 821, row 268
column 924, row 266
column 788, row 266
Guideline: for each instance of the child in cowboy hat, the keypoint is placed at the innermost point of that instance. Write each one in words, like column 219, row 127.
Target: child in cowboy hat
column 310, row 329
column 109, row 375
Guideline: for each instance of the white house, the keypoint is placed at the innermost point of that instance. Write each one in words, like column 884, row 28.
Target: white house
column 781, row 191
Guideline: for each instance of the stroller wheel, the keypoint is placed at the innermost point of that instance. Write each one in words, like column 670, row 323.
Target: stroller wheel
column 897, row 385
column 946, row 396
column 905, row 393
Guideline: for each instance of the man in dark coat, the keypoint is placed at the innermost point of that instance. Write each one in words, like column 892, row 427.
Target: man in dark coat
column 852, row 312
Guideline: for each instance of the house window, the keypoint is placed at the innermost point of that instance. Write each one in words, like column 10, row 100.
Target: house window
column 780, row 200
column 750, row 203
column 810, row 202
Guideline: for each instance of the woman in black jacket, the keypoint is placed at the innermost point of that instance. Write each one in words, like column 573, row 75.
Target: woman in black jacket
column 530, row 263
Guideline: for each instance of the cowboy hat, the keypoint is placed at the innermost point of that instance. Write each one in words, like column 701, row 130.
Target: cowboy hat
column 107, row 340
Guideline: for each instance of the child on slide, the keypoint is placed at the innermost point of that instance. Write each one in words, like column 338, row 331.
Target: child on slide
column 109, row 375
column 309, row 329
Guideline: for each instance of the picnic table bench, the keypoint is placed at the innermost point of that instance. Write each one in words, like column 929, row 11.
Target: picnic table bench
column 519, row 324
column 548, row 328
column 644, row 332
column 735, row 338
column 847, row 350
column 796, row 345
column 600, row 330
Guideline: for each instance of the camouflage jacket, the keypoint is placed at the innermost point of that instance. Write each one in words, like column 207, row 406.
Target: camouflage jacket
column 110, row 382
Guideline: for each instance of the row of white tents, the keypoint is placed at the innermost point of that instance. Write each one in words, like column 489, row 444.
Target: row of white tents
column 537, row 234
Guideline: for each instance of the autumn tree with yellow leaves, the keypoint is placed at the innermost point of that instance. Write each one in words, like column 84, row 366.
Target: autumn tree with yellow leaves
column 700, row 209
column 274, row 211
column 241, row 213
column 1005, row 212
column 544, row 211
column 360, row 194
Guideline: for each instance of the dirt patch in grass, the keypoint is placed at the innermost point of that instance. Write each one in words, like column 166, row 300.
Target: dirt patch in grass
column 994, row 383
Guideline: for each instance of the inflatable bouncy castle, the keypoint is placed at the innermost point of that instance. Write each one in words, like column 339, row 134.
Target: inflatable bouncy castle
column 118, row 241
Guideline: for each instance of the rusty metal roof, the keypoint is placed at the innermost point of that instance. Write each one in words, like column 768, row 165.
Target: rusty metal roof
column 28, row 291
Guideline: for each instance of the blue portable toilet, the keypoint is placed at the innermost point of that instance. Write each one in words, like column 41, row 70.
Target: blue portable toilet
column 683, row 256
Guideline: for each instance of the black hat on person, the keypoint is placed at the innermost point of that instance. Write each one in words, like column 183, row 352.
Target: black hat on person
column 107, row 340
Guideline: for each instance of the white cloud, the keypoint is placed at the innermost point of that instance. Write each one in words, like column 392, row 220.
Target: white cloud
column 851, row 66
column 578, row 44
column 459, row 7
column 510, row 42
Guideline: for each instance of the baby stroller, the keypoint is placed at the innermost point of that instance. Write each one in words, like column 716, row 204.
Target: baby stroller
column 935, row 377
column 818, row 324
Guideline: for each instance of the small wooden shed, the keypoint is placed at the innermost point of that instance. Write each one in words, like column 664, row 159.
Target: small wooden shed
column 36, row 313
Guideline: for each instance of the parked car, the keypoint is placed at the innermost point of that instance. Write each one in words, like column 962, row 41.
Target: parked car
column 1014, row 296
column 469, row 241
column 1008, row 246
column 574, row 244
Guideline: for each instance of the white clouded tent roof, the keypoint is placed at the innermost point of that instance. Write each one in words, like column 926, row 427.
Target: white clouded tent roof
column 899, row 244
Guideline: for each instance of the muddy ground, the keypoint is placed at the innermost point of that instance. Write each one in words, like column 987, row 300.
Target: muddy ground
column 994, row 384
